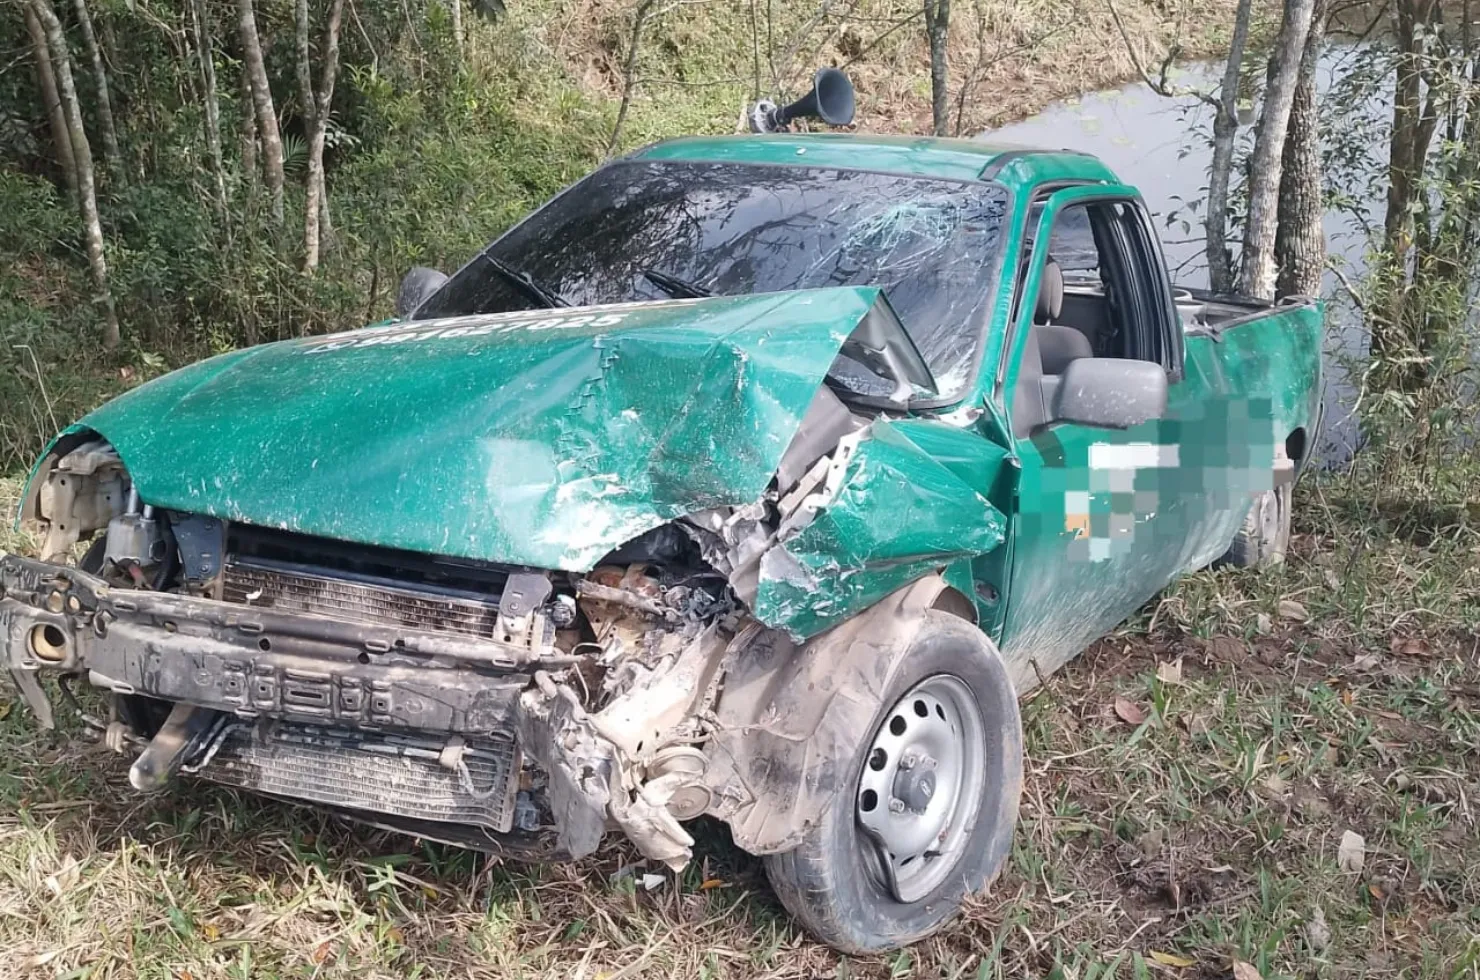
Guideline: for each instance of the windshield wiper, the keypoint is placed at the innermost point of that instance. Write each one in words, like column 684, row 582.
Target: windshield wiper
column 526, row 282
column 674, row 286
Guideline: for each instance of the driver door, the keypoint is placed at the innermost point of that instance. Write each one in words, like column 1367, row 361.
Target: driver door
column 1098, row 530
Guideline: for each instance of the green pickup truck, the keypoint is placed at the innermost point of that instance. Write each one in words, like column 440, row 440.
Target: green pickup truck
column 751, row 478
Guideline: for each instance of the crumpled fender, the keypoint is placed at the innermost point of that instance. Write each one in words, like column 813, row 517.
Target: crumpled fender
column 791, row 716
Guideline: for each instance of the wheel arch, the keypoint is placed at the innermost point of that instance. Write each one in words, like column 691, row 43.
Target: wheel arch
column 791, row 714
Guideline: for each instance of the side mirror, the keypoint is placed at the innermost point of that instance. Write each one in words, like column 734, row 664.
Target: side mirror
column 1109, row 392
column 418, row 284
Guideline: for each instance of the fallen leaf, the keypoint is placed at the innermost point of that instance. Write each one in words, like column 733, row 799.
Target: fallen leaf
column 1227, row 648
column 1151, row 843
column 1331, row 579
column 1263, row 623
column 1366, row 661
column 1129, row 712
column 1276, row 785
column 1377, row 891
column 1408, row 646
column 4, row 710
column 321, row 952
column 395, row 935
column 1170, row 959
column 1290, row 609
column 709, row 883
column 211, row 932
column 1245, row 971
column 64, row 878
column 41, row 959
column 1351, row 853
column 1317, row 933
column 1170, row 673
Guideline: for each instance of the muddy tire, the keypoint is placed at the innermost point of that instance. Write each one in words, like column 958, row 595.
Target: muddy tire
column 1264, row 536
column 950, row 696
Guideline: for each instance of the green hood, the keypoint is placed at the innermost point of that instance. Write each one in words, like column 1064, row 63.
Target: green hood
column 544, row 438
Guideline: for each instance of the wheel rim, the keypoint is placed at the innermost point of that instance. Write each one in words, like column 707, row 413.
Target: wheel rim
column 922, row 784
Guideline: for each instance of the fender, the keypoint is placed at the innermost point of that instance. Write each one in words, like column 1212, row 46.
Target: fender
column 791, row 716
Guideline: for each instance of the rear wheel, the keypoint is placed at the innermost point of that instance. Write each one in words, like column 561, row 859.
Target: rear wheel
column 929, row 805
column 1265, row 535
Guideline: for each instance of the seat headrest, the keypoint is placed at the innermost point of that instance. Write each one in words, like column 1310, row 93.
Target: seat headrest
column 1050, row 293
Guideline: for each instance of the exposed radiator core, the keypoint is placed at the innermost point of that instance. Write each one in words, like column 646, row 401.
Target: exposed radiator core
column 273, row 585
column 373, row 772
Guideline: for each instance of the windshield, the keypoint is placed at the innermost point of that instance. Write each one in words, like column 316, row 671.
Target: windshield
column 642, row 230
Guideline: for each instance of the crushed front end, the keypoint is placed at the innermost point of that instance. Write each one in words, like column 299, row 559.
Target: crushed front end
column 516, row 710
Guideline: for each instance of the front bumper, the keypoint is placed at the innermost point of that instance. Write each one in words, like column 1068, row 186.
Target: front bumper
column 416, row 730
column 252, row 662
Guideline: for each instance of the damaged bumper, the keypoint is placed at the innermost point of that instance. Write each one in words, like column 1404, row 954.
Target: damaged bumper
column 458, row 738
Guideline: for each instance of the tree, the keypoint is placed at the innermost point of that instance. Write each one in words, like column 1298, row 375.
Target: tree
column 46, row 81
column 1257, row 276
column 315, row 203
column 205, row 49
column 105, row 102
column 938, row 31
column 1225, row 129
column 267, row 125
column 629, row 81
column 1300, row 239
column 87, row 199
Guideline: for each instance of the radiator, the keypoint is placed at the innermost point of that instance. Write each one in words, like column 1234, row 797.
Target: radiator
column 295, row 590
column 374, row 772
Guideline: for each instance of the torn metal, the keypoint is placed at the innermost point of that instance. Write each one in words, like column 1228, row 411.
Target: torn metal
column 610, row 645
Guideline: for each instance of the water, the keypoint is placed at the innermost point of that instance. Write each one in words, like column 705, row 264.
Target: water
column 1162, row 146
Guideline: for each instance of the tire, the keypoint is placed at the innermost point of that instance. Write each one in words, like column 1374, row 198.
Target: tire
column 1264, row 536
column 834, row 883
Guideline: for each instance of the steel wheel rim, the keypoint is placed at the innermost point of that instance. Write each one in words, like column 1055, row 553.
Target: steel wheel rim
column 921, row 786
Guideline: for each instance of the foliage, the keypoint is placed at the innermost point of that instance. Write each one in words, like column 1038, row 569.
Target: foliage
column 431, row 151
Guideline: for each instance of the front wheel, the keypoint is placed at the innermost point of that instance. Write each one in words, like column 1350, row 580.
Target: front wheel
column 930, row 802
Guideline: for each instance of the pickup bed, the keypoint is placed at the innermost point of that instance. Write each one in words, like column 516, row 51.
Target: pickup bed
column 750, row 477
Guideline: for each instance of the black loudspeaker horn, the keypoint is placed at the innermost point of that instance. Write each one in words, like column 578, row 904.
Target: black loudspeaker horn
column 830, row 100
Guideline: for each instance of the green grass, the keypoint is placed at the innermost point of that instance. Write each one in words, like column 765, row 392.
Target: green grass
column 1208, row 833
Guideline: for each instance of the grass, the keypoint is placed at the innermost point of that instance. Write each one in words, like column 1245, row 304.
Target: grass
column 1190, row 782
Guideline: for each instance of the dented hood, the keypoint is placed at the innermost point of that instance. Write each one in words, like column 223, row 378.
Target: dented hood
column 543, row 438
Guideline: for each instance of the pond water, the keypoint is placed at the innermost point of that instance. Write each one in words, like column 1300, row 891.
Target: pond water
column 1162, row 146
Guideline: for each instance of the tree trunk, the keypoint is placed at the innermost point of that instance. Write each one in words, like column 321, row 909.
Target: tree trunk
column 1408, row 150
column 1225, row 129
column 46, row 81
column 1300, row 239
column 105, row 103
column 1257, row 277
column 82, row 152
column 267, row 126
column 454, row 7
column 247, row 140
column 304, row 73
column 938, row 31
column 629, row 81
column 312, row 208
column 205, row 46
column 303, row 66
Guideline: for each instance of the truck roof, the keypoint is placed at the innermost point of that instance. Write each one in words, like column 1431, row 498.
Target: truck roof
column 921, row 156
